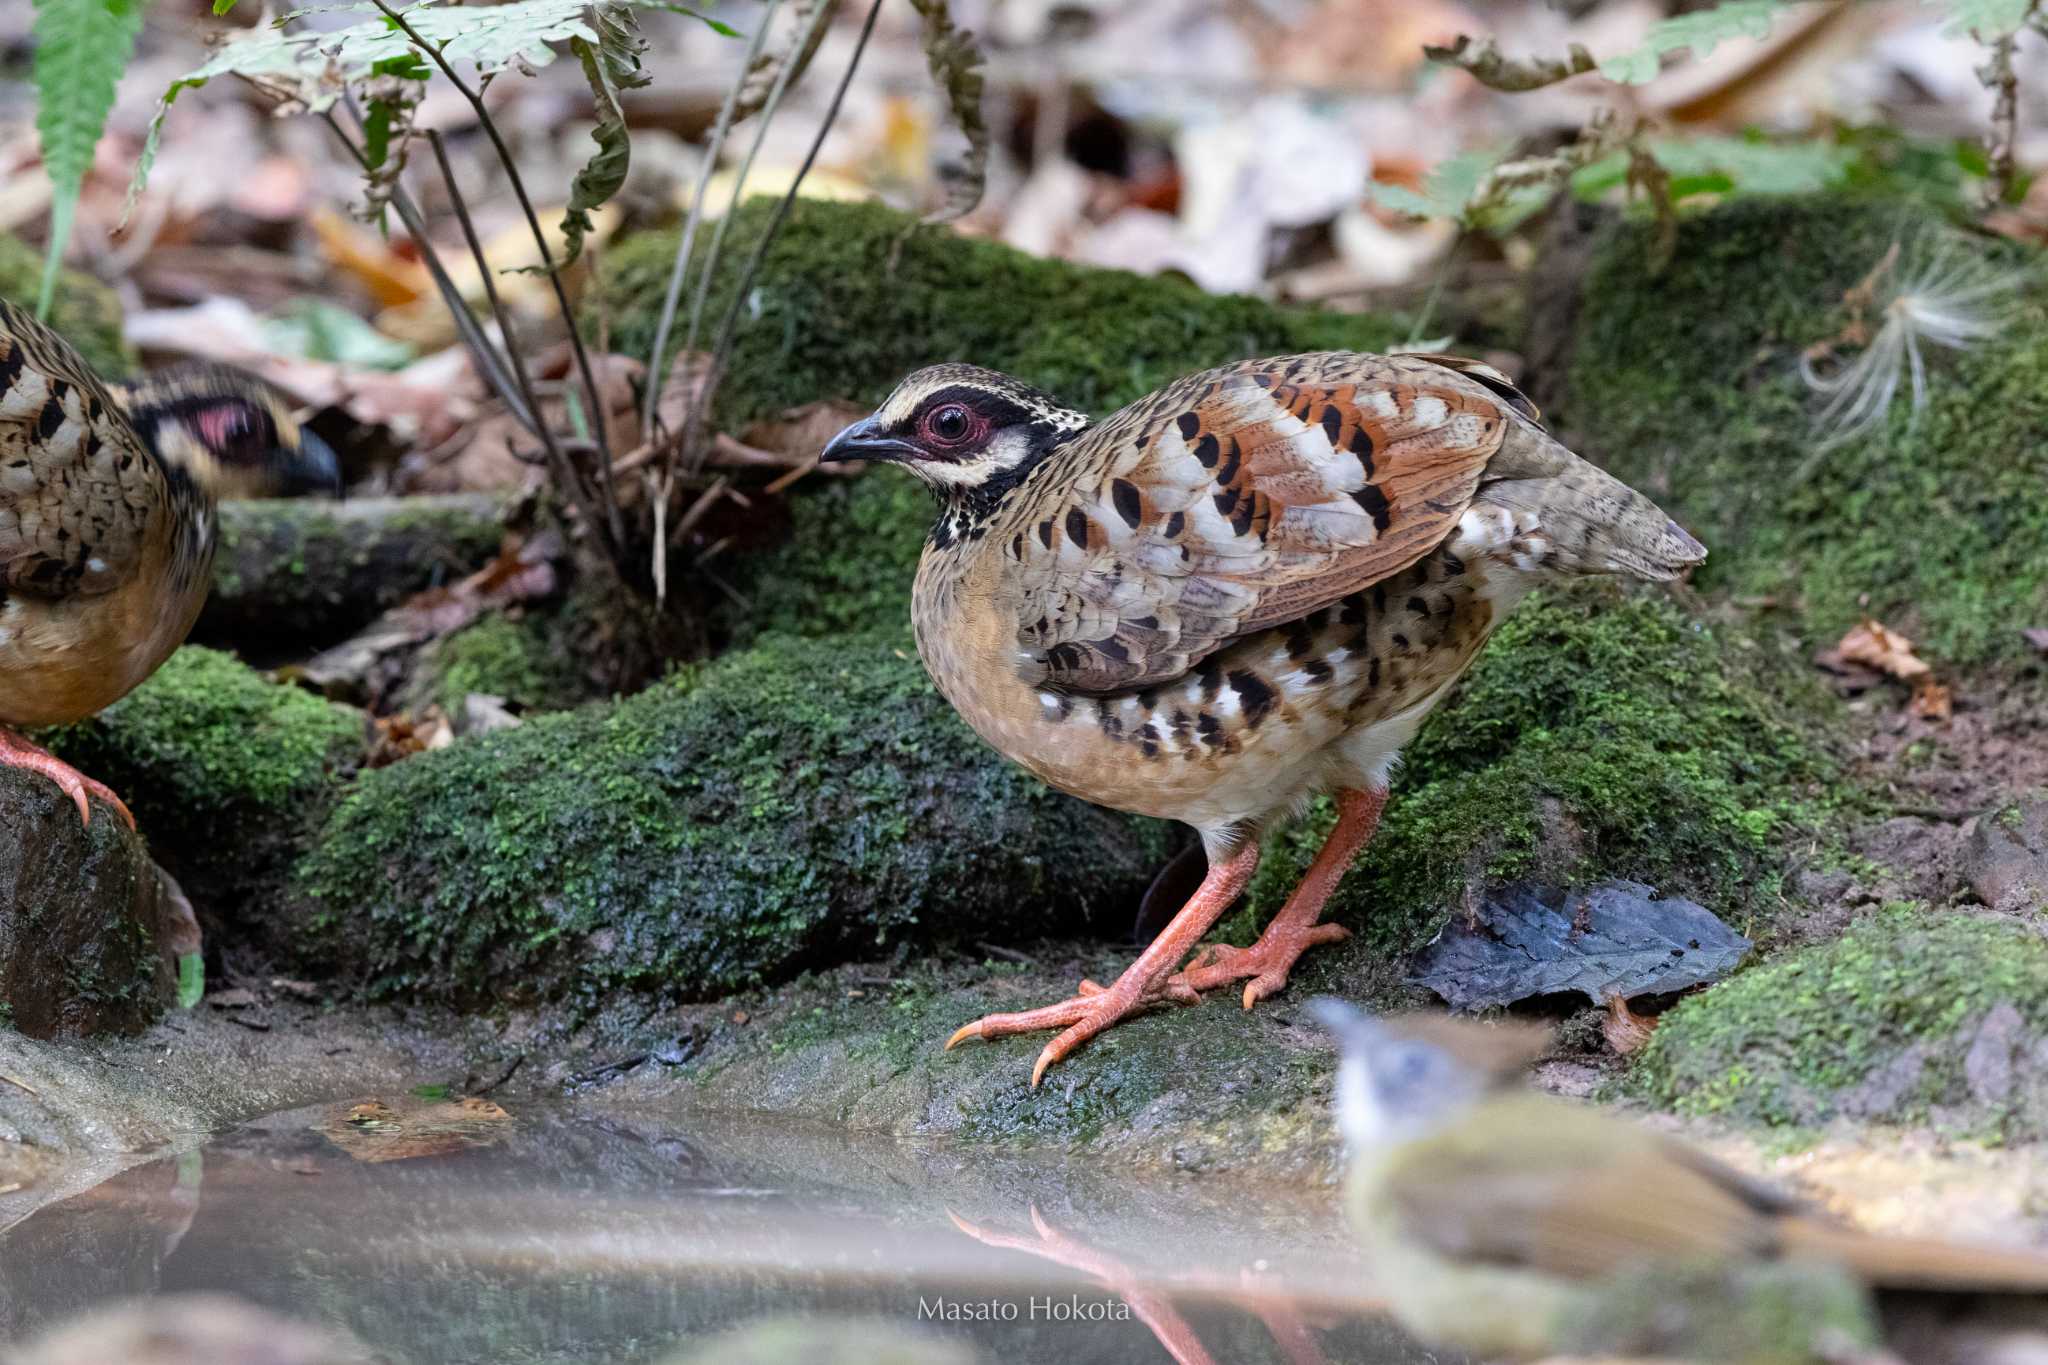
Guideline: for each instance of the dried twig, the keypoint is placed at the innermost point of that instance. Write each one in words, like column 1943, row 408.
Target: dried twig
column 1490, row 67
column 2000, row 149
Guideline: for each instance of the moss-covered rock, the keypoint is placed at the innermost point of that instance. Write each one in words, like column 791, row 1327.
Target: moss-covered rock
column 1909, row 1016
column 1600, row 734
column 726, row 826
column 83, row 311
column 225, row 771
column 852, row 297
column 847, row 565
column 527, row 659
column 78, row 917
column 1685, row 381
column 293, row 570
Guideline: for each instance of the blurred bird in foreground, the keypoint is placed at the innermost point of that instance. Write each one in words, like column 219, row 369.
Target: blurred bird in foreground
column 108, row 503
column 1507, row 1223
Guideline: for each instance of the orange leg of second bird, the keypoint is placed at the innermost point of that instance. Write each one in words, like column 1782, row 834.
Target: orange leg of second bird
column 1143, row 983
column 1296, row 928
column 16, row 752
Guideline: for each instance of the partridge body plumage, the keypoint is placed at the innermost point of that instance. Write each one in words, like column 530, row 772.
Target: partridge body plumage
column 107, row 523
column 1247, row 588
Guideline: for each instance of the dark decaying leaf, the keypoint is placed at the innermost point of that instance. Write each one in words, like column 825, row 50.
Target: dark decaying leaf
column 611, row 64
column 955, row 63
column 1613, row 939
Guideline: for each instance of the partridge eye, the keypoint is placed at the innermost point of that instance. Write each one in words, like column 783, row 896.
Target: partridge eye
column 948, row 424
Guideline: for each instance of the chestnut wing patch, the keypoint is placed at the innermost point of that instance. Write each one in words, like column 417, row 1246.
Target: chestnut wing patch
column 1240, row 499
column 74, row 481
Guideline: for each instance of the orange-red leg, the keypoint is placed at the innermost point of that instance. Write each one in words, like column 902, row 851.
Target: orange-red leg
column 1144, row 982
column 16, row 752
column 1295, row 929
column 1148, row 1304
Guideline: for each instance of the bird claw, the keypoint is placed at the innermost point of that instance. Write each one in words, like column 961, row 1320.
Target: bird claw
column 1080, row 1017
column 19, row 753
column 1266, row 962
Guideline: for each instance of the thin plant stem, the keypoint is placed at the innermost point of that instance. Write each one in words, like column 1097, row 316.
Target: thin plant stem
column 650, row 421
column 504, row 320
column 493, row 364
column 721, row 350
column 547, row 258
column 783, row 76
column 1436, row 290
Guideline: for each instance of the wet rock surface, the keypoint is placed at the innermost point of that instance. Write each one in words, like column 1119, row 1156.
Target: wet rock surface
column 79, row 909
column 2006, row 858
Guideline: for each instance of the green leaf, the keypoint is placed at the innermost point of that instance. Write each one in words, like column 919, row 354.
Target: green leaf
column 315, row 68
column 610, row 65
column 1985, row 20
column 1452, row 189
column 191, row 980
column 955, row 63
column 320, row 330
column 430, row 1092
column 221, row 7
column 377, row 134
column 1754, row 167
column 1701, row 31
column 82, row 46
column 1401, row 199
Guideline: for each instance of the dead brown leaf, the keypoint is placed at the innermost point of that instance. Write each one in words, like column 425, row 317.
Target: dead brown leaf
column 401, row 736
column 1626, row 1031
column 1873, row 646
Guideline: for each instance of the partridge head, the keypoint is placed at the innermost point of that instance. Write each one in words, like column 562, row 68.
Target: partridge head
column 108, row 498
column 1244, row 589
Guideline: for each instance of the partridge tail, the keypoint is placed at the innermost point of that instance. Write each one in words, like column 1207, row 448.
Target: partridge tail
column 1571, row 517
column 1918, row 1262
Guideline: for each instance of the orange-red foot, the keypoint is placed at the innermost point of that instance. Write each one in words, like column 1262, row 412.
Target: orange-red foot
column 16, row 752
column 1080, row 1017
column 1144, row 983
column 1266, row 962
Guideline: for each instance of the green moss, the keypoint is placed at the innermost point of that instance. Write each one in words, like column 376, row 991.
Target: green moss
column 723, row 827
column 84, row 311
column 1882, row 1023
column 523, row 661
column 1685, row 382
column 1599, row 735
column 208, row 734
column 852, row 297
column 225, row 772
column 847, row 565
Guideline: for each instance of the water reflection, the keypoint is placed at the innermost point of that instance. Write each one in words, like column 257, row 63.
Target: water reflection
column 554, row 1238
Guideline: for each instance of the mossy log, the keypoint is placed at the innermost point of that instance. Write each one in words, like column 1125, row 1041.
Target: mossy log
column 786, row 805
column 292, row 571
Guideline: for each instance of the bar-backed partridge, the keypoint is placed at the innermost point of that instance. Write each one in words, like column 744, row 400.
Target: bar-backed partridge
column 1240, row 591
column 107, row 523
